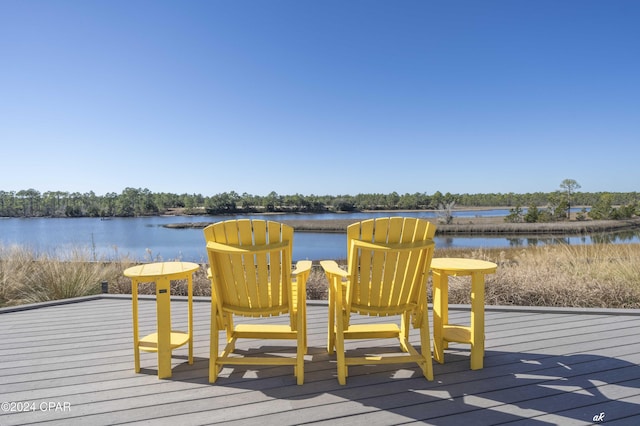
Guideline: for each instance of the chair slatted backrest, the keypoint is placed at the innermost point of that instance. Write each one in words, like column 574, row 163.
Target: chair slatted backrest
column 250, row 266
column 388, row 264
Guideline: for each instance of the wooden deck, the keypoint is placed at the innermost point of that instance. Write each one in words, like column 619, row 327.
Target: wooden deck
column 73, row 364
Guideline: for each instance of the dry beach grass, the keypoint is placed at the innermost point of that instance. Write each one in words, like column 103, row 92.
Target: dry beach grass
column 27, row 277
column 596, row 275
column 599, row 275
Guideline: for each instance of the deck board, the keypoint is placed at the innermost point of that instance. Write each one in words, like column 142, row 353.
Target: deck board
column 541, row 367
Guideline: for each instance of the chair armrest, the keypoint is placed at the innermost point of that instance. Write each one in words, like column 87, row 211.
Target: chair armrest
column 331, row 267
column 299, row 276
column 302, row 266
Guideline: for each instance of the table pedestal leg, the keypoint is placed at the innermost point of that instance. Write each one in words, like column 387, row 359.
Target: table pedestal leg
column 163, row 312
column 190, row 315
column 477, row 320
column 440, row 314
column 136, row 337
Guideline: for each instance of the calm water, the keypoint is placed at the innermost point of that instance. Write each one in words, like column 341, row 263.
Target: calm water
column 146, row 238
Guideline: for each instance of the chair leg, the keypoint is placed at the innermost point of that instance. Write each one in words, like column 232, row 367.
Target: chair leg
column 303, row 323
column 425, row 346
column 340, row 354
column 301, row 350
column 331, row 340
column 299, row 369
column 230, row 333
column 331, row 336
column 214, row 369
column 404, row 331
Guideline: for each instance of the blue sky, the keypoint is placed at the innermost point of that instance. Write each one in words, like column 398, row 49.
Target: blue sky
column 319, row 97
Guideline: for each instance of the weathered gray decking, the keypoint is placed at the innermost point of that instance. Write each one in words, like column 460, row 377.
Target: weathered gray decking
column 541, row 367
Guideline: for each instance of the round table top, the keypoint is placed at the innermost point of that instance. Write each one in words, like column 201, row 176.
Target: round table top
column 458, row 264
column 161, row 269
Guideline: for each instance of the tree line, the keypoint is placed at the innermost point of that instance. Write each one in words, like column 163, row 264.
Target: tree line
column 132, row 202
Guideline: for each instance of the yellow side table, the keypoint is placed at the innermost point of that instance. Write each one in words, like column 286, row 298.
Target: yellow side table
column 443, row 332
column 165, row 339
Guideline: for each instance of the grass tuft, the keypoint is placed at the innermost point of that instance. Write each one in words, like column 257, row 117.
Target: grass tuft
column 28, row 277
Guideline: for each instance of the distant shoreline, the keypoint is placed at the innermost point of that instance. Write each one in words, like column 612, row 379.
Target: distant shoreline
column 464, row 226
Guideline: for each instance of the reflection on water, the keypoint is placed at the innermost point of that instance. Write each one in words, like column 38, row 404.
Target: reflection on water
column 618, row 237
column 147, row 239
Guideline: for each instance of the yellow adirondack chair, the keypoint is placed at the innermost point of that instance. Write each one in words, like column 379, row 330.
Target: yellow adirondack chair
column 250, row 272
column 388, row 265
